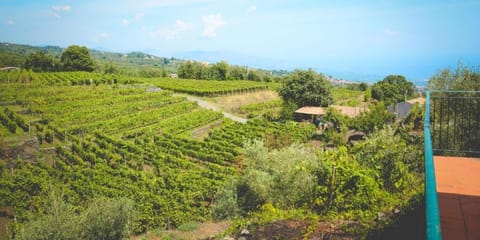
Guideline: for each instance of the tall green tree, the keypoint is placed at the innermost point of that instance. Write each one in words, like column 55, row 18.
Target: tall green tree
column 76, row 58
column 219, row 70
column 306, row 88
column 454, row 113
column 10, row 60
column 372, row 120
column 237, row 73
column 41, row 62
column 392, row 89
column 463, row 78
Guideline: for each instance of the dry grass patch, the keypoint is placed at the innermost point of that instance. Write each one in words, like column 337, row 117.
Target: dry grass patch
column 232, row 103
column 193, row 231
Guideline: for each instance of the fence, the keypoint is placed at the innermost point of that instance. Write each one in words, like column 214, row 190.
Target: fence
column 455, row 122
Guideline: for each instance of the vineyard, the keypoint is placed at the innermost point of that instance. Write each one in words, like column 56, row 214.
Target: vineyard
column 209, row 87
column 111, row 136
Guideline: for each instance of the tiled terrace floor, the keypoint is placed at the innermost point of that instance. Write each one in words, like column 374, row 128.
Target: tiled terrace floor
column 458, row 187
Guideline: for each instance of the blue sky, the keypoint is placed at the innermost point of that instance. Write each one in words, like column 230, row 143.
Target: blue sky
column 346, row 37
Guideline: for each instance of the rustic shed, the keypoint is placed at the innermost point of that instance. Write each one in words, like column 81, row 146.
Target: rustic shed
column 308, row 113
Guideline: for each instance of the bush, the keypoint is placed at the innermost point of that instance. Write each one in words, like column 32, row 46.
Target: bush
column 226, row 206
column 59, row 222
column 282, row 177
column 107, row 219
column 102, row 219
column 392, row 158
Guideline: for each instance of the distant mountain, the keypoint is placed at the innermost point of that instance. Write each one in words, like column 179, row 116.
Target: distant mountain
column 125, row 61
column 232, row 58
column 354, row 76
column 148, row 60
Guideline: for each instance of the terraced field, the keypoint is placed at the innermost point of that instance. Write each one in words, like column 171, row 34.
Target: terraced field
column 119, row 140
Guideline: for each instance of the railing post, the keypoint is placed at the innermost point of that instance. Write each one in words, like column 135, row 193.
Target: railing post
column 432, row 212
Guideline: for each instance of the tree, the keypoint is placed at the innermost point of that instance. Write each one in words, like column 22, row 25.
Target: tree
column 41, row 62
column 392, row 157
column 185, row 70
column 219, row 70
column 306, row 88
column 110, row 68
column 372, row 120
column 10, row 60
column 392, row 89
column 285, row 178
column 463, row 78
column 363, row 86
column 237, row 73
column 76, row 58
column 455, row 112
column 252, row 75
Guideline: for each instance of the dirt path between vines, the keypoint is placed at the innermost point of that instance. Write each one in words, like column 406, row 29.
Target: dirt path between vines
column 208, row 105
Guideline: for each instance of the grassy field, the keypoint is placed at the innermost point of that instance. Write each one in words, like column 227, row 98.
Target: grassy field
column 233, row 103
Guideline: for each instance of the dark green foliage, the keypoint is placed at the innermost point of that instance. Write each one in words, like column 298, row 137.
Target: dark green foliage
column 252, row 75
column 226, row 201
column 107, row 219
column 345, row 187
column 7, row 122
column 10, row 60
column 363, row 86
column 288, row 108
column 237, row 73
column 462, row 78
column 372, row 120
column 110, row 68
column 392, row 89
column 392, row 158
column 219, row 71
column 59, row 222
column 373, row 177
column 16, row 119
column 48, row 136
column 76, row 58
column 306, row 88
column 357, row 86
column 284, row 178
column 41, row 62
column 102, row 219
column 455, row 114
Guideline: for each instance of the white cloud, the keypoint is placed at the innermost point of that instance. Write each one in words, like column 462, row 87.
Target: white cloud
column 212, row 23
column 62, row 8
column 126, row 22
column 59, row 9
column 139, row 16
column 252, row 8
column 173, row 32
column 136, row 18
column 104, row 35
column 99, row 37
column 10, row 22
column 390, row 32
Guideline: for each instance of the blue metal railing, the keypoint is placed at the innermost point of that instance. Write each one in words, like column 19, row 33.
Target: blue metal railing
column 431, row 198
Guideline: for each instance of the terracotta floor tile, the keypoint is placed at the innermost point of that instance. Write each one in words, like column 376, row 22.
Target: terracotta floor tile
column 458, row 187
